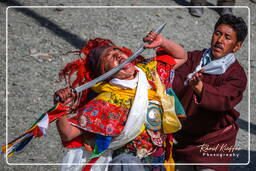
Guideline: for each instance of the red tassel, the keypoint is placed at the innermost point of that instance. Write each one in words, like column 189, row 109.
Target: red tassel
column 88, row 167
column 37, row 132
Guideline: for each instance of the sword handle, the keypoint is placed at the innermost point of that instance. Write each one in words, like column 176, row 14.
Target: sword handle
column 57, row 98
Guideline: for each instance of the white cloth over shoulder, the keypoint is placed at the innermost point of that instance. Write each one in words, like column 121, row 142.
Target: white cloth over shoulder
column 137, row 114
column 214, row 67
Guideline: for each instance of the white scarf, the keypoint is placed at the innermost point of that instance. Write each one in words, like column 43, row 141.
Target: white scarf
column 125, row 84
column 213, row 67
column 137, row 114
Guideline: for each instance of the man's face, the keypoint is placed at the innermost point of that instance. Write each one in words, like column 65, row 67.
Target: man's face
column 224, row 41
column 114, row 57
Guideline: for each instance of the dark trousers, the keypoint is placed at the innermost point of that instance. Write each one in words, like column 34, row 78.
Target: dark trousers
column 219, row 2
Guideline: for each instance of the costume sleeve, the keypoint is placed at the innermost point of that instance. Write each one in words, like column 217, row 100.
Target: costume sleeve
column 226, row 96
column 165, row 63
column 163, row 56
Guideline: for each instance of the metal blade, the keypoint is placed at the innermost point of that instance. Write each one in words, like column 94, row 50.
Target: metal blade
column 114, row 70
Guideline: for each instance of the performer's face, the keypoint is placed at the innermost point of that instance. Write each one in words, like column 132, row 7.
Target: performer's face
column 224, row 41
column 114, row 57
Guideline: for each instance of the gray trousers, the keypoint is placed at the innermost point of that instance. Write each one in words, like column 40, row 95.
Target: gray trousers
column 125, row 158
column 219, row 2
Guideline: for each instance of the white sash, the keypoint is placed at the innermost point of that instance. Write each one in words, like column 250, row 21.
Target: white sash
column 137, row 114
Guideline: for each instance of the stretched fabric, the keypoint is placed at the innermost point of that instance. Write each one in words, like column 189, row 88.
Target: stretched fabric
column 38, row 129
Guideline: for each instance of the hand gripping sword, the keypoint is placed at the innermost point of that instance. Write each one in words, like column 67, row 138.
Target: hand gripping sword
column 114, row 70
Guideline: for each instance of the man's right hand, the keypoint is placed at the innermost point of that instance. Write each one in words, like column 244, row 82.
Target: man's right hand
column 154, row 40
column 65, row 96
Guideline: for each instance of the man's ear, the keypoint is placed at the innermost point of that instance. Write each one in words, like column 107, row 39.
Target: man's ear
column 237, row 46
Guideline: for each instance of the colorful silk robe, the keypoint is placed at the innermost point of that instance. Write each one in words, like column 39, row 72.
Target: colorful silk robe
column 107, row 113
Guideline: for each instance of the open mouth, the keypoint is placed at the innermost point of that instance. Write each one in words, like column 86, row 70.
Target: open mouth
column 122, row 61
column 126, row 65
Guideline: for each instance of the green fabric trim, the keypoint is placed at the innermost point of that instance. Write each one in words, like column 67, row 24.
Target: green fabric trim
column 43, row 115
column 95, row 153
column 38, row 120
column 178, row 106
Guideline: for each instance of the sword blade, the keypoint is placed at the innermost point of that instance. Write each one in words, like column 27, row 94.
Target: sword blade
column 114, row 70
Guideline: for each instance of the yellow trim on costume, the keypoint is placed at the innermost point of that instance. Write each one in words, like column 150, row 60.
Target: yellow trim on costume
column 170, row 160
column 149, row 69
column 119, row 96
column 171, row 122
column 142, row 129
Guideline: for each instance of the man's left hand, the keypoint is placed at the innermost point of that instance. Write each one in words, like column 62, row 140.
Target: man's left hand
column 196, row 83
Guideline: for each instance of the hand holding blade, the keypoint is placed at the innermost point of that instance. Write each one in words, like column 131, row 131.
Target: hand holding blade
column 114, row 70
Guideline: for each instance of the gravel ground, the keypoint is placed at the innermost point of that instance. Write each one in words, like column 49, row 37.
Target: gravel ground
column 38, row 37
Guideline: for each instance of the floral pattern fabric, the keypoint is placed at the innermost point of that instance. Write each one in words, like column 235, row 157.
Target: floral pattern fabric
column 103, row 118
column 107, row 113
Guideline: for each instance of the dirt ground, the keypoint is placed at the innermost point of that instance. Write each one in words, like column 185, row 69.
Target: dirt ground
column 37, row 38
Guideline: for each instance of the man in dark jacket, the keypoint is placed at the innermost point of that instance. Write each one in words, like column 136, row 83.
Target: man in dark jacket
column 210, row 84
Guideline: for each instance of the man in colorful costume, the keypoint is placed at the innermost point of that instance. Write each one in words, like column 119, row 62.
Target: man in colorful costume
column 214, row 85
column 134, row 112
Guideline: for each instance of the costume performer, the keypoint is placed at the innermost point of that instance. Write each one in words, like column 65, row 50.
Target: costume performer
column 214, row 85
column 130, row 117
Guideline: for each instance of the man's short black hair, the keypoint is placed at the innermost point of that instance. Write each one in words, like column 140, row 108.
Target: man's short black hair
column 237, row 23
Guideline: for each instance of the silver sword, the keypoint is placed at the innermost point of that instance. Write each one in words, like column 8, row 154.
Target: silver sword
column 114, row 70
